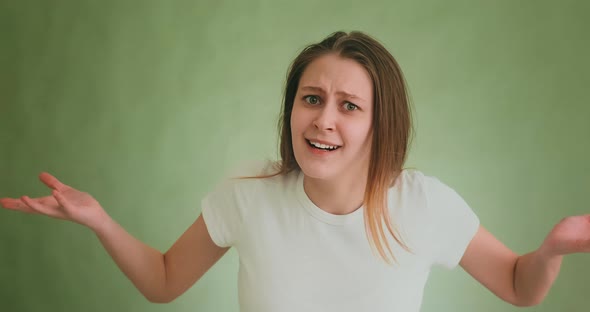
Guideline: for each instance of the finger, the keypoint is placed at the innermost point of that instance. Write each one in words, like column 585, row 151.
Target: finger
column 8, row 202
column 68, row 209
column 42, row 209
column 15, row 204
column 48, row 201
column 61, row 200
column 51, row 181
column 11, row 203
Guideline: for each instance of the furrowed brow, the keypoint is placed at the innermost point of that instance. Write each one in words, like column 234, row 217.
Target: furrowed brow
column 320, row 90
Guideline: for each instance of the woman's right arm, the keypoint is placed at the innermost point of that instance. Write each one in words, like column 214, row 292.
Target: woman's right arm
column 159, row 277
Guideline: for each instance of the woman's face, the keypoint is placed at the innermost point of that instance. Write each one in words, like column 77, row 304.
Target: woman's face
column 331, row 119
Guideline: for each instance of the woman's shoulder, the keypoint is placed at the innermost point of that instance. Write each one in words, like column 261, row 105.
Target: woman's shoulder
column 426, row 185
column 417, row 183
column 418, row 177
column 410, row 177
column 259, row 174
column 252, row 168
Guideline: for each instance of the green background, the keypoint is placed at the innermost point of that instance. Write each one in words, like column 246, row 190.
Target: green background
column 145, row 105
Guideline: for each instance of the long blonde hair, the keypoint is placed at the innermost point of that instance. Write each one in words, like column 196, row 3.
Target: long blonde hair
column 392, row 126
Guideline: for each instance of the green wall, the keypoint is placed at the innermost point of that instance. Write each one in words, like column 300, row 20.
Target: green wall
column 145, row 105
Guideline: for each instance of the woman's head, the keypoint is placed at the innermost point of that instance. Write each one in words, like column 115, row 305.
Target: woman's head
column 331, row 119
column 389, row 104
column 377, row 135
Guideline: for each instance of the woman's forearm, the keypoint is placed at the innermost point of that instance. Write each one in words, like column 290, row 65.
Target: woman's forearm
column 142, row 264
column 534, row 274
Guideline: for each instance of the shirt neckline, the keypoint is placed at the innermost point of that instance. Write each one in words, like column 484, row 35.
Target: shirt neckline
column 322, row 215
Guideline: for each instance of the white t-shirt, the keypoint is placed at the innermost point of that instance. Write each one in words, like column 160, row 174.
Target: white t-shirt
column 294, row 256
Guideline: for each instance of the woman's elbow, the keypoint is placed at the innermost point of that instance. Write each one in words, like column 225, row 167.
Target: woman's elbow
column 527, row 303
column 159, row 298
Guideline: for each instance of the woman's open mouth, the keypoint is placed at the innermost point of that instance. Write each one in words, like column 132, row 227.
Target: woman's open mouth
column 322, row 147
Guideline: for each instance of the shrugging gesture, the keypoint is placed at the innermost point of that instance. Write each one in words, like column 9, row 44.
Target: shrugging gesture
column 65, row 202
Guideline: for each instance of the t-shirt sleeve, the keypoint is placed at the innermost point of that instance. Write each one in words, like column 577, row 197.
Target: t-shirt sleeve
column 225, row 208
column 222, row 214
column 452, row 223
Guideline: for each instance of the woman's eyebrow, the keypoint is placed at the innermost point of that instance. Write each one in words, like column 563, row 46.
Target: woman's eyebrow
column 320, row 90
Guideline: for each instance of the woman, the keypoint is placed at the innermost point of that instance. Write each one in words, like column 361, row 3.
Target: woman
column 338, row 224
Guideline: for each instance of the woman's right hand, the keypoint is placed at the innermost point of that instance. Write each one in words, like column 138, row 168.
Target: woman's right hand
column 64, row 203
column 160, row 278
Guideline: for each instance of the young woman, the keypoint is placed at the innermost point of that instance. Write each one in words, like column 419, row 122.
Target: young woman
column 337, row 224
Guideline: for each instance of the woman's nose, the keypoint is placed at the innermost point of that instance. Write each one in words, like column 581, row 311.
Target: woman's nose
column 325, row 118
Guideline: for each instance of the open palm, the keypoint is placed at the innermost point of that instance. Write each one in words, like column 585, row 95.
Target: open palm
column 570, row 235
column 65, row 203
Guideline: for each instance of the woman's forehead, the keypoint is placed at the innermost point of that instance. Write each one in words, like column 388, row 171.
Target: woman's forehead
column 337, row 75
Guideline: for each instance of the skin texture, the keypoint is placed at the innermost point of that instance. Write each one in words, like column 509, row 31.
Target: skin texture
column 525, row 280
column 334, row 181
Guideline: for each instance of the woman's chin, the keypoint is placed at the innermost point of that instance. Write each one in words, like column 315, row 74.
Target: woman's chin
column 319, row 172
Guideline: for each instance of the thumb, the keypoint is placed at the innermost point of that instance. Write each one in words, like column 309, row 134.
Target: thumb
column 51, row 181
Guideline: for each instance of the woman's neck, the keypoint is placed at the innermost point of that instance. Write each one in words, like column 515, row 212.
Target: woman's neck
column 336, row 196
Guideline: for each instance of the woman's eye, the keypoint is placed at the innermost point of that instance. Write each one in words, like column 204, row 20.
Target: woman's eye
column 350, row 107
column 311, row 99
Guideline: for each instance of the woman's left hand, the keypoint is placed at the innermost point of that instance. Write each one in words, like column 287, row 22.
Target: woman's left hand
column 570, row 235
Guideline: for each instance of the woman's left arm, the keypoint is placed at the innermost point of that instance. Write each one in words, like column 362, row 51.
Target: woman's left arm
column 525, row 280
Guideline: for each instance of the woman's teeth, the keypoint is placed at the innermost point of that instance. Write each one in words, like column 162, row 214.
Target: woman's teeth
column 324, row 146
